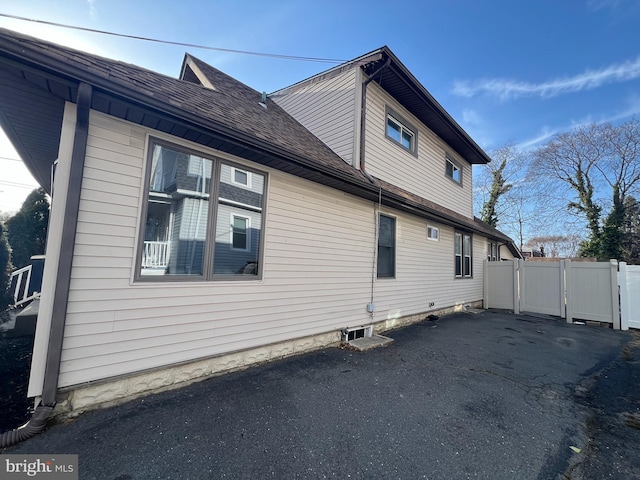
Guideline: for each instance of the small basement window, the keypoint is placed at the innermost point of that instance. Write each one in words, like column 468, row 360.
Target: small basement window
column 349, row 334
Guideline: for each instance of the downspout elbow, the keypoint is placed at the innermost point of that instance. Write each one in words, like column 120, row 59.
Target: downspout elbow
column 35, row 425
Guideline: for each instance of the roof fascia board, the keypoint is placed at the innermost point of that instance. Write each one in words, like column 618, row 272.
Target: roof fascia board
column 328, row 74
column 412, row 82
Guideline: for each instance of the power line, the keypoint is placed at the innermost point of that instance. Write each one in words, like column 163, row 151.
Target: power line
column 12, row 159
column 182, row 44
column 15, row 184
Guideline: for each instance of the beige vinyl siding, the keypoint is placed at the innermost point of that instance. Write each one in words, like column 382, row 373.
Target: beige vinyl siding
column 317, row 273
column 425, row 272
column 326, row 108
column 505, row 253
column 318, row 253
column 423, row 176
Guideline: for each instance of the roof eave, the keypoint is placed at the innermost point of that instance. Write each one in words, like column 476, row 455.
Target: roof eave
column 412, row 82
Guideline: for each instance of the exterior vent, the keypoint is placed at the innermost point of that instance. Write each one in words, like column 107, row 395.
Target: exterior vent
column 352, row 333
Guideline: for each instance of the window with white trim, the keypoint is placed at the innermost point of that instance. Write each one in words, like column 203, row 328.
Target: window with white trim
column 240, row 233
column 197, row 223
column 463, row 255
column 401, row 132
column 240, row 177
column 453, row 171
column 433, row 233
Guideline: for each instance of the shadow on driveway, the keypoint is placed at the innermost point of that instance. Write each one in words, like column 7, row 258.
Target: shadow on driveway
column 489, row 396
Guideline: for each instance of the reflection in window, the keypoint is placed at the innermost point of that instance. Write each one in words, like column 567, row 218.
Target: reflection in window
column 240, row 233
column 239, row 223
column 386, row 247
column 184, row 234
column 401, row 134
column 453, row 172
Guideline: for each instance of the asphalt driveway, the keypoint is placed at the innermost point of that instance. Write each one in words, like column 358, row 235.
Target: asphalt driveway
column 488, row 396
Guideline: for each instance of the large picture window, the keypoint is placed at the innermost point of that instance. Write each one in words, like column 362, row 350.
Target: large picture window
column 197, row 222
column 386, row 247
column 463, row 255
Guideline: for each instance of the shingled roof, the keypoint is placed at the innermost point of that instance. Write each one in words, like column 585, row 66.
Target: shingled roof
column 37, row 77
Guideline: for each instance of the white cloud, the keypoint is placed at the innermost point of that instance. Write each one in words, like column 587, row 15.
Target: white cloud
column 471, row 117
column 506, row 89
column 632, row 108
column 595, row 5
column 92, row 8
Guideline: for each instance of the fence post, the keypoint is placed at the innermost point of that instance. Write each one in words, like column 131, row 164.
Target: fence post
column 516, row 285
column 624, row 296
column 615, row 299
column 567, row 276
column 485, row 283
column 563, row 288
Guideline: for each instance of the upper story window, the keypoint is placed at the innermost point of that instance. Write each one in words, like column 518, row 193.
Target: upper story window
column 197, row 224
column 453, row 171
column 401, row 132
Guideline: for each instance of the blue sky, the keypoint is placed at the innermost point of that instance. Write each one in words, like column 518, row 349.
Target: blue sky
column 506, row 70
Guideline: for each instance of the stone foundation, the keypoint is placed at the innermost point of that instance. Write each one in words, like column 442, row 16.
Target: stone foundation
column 73, row 401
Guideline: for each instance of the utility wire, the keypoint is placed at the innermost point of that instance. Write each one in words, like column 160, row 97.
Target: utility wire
column 182, row 44
column 15, row 184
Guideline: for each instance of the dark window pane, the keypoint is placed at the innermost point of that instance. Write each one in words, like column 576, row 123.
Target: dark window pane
column 240, row 233
column 385, row 262
column 241, row 177
column 386, row 246
column 458, row 266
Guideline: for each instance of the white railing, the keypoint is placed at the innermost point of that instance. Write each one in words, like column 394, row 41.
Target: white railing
column 20, row 282
column 155, row 255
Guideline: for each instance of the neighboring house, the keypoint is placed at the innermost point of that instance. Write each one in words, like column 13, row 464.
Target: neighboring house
column 197, row 227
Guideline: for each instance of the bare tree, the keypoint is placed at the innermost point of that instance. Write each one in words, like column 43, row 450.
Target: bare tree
column 620, row 169
column 572, row 158
column 591, row 160
column 564, row 246
column 519, row 204
column 502, row 158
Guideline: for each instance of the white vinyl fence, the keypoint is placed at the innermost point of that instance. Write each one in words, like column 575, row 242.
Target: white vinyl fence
column 572, row 290
column 629, row 280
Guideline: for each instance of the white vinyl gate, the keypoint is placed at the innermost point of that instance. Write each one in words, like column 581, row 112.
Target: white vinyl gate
column 629, row 280
column 571, row 290
column 541, row 288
